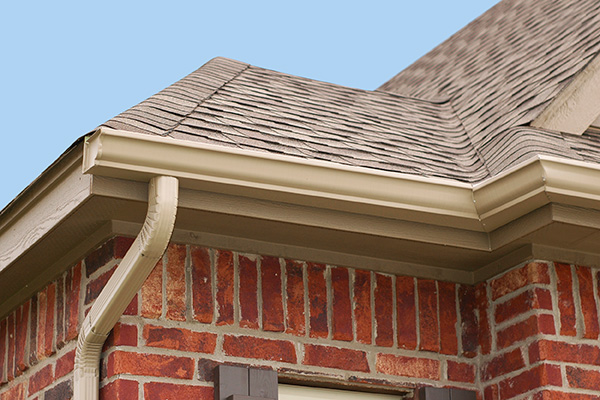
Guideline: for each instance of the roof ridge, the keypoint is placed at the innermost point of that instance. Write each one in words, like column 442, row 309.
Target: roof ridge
column 180, row 99
column 203, row 99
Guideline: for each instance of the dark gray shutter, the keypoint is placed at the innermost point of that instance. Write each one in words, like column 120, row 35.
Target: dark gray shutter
column 430, row 393
column 241, row 383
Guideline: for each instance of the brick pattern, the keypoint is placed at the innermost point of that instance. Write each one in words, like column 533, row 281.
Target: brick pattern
column 529, row 333
column 33, row 338
column 543, row 331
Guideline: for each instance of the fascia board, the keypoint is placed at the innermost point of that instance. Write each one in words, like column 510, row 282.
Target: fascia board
column 135, row 156
column 577, row 105
column 49, row 200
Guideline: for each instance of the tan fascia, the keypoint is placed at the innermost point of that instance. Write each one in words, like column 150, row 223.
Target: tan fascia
column 577, row 106
column 482, row 207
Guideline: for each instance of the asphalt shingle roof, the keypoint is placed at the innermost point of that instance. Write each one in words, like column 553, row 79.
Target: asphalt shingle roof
column 229, row 103
column 503, row 69
column 460, row 112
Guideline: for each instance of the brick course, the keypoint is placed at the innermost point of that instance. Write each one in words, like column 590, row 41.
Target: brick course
column 527, row 333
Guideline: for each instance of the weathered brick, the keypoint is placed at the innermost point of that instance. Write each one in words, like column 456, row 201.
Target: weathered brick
column 582, row 378
column 60, row 312
column 202, row 298
column 259, row 348
column 62, row 391
column 547, row 350
column 21, row 323
column 122, row 245
column 317, row 295
column 448, row 318
column 342, row 313
column 49, row 345
column 180, row 339
column 272, row 298
column 120, row 362
column 384, row 310
column 41, row 379
column 72, row 289
column 94, row 287
column 518, row 278
column 42, row 300
column 534, row 325
column 175, row 277
column 120, row 389
column 461, row 372
column 483, row 332
column 99, row 257
column 10, row 363
column 16, row 392
column 121, row 335
column 3, row 350
column 469, row 328
column 32, row 356
column 532, row 299
column 295, row 318
column 163, row 391
column 248, row 292
column 491, row 392
column 362, row 306
column 566, row 304
column 588, row 303
column 503, row 364
column 152, row 293
column 225, row 284
column 132, row 307
column 64, row 364
column 411, row 367
column 536, row 377
column 334, row 357
column 428, row 318
column 206, row 369
column 557, row 395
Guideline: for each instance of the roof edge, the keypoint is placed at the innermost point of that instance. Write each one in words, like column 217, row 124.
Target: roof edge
column 483, row 207
column 267, row 176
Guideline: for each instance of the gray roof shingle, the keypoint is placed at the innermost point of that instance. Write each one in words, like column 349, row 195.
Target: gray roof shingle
column 257, row 109
column 503, row 69
column 460, row 112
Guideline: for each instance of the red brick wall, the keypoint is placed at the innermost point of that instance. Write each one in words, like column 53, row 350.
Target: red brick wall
column 529, row 333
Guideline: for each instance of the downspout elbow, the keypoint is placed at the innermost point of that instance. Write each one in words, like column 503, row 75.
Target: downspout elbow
column 126, row 281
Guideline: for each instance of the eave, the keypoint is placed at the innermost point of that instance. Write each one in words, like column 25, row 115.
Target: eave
column 318, row 211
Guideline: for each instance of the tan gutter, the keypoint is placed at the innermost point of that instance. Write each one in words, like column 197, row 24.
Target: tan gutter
column 482, row 207
column 143, row 255
column 262, row 175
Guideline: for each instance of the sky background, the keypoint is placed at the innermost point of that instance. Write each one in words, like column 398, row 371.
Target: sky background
column 66, row 67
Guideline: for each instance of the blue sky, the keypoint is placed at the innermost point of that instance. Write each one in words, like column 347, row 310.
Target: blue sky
column 66, row 67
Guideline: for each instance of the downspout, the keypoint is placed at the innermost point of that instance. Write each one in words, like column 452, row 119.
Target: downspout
column 135, row 267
